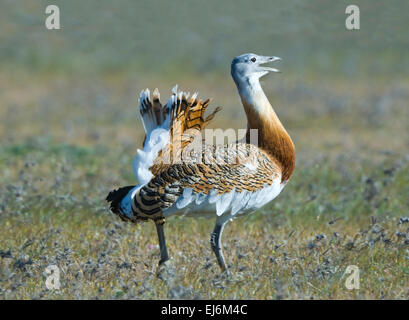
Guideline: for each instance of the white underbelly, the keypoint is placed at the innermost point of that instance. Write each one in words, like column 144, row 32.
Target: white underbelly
column 232, row 204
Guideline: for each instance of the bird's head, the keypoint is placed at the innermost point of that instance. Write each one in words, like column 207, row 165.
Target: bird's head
column 250, row 66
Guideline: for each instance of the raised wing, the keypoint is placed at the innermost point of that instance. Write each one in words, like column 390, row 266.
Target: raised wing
column 169, row 129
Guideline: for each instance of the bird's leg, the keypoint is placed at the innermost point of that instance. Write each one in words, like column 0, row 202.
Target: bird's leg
column 162, row 241
column 215, row 241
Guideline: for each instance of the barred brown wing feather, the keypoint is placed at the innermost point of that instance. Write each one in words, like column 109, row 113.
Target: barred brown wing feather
column 168, row 185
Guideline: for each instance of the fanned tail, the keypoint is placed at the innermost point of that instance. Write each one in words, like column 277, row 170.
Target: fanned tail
column 168, row 127
column 153, row 114
column 187, row 117
column 180, row 114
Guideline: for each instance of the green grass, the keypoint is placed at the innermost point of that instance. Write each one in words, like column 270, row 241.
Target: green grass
column 67, row 141
column 69, row 129
column 275, row 253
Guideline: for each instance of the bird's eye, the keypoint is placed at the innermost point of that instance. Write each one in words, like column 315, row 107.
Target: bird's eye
column 253, row 59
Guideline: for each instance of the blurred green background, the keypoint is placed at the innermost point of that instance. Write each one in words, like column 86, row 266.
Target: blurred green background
column 203, row 36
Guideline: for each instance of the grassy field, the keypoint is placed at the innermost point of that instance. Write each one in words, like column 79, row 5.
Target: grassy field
column 66, row 140
column 69, row 129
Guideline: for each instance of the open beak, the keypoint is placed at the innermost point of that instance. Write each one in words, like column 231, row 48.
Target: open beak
column 266, row 59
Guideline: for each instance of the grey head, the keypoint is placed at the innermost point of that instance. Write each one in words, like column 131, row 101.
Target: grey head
column 249, row 66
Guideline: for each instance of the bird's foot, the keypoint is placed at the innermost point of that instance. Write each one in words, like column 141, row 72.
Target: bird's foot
column 225, row 274
column 165, row 270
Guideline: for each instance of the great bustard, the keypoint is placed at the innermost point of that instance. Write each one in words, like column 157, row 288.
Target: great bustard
column 174, row 180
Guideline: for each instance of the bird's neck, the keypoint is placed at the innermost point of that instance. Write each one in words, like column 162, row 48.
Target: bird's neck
column 272, row 136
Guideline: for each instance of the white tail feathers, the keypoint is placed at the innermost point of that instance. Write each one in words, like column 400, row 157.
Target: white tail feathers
column 157, row 121
column 144, row 159
column 151, row 113
column 154, row 115
column 163, row 123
